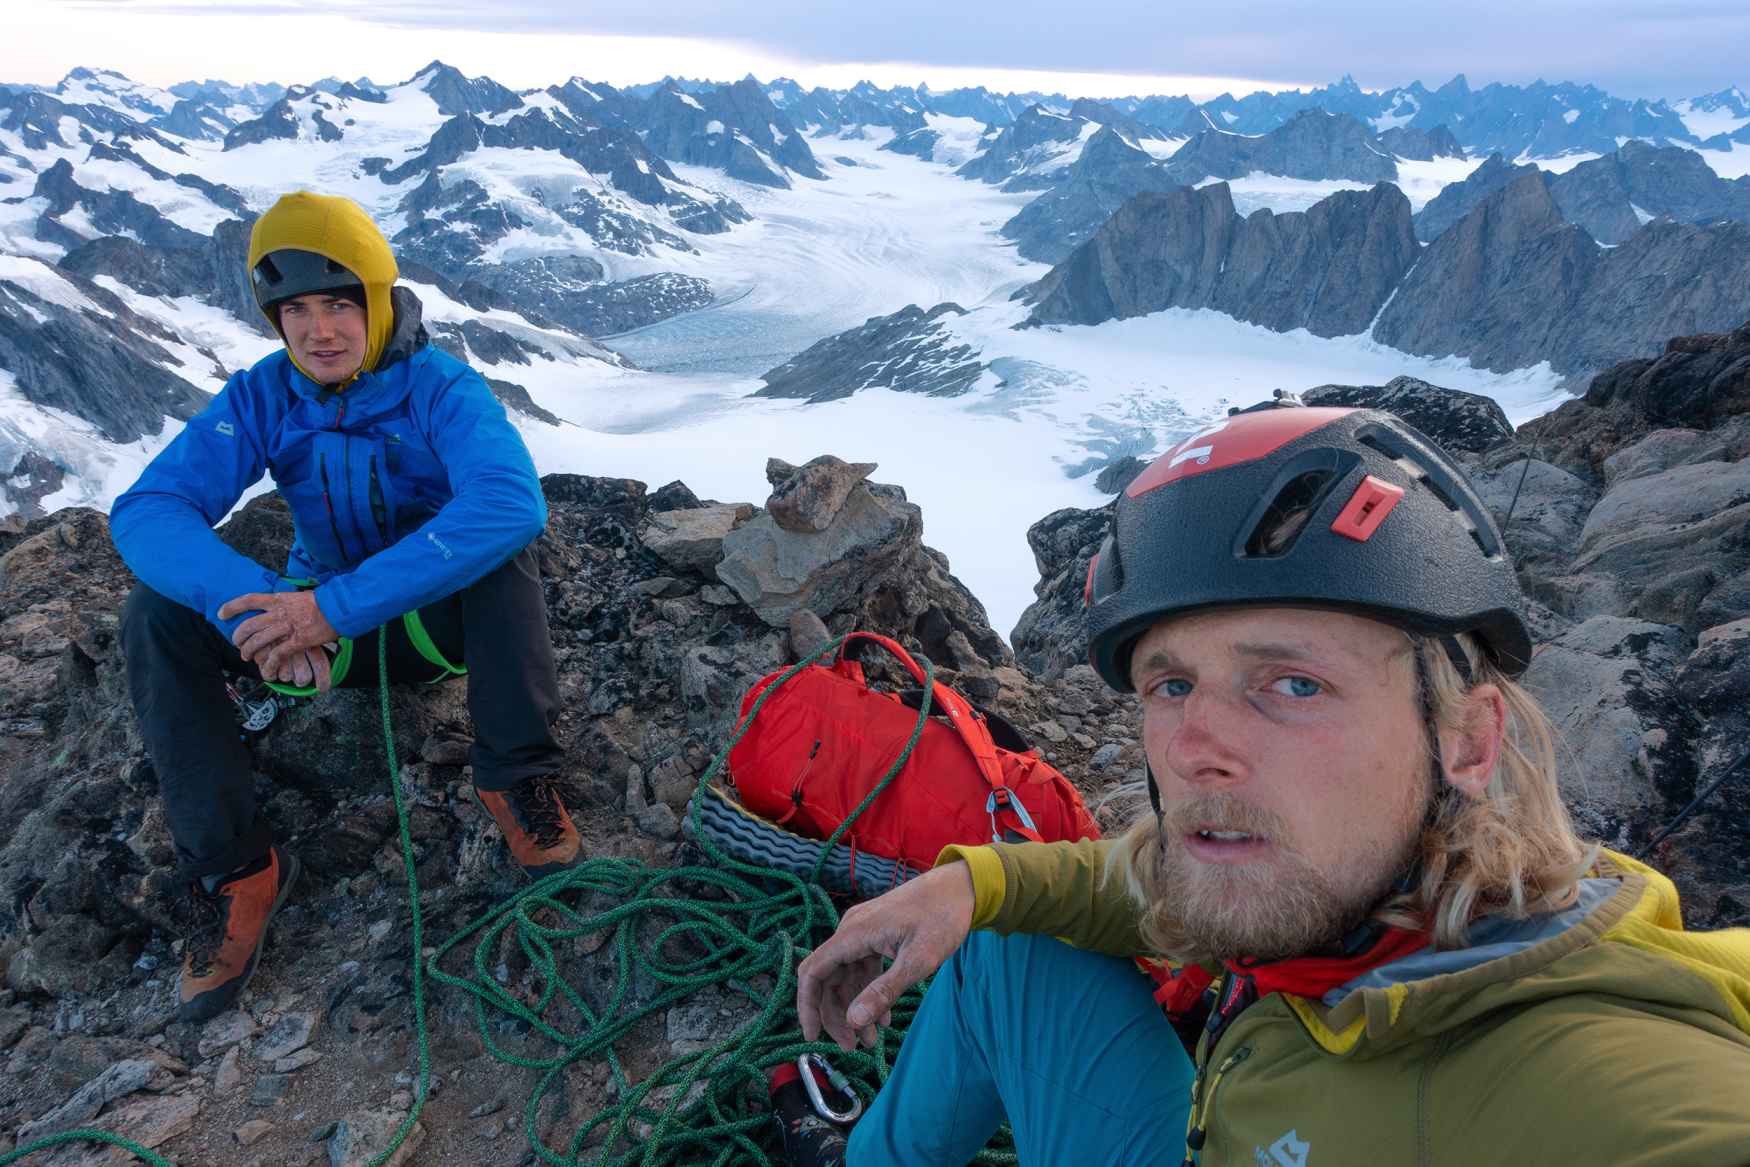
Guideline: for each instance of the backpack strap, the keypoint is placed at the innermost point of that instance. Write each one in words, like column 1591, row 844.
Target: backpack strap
column 973, row 732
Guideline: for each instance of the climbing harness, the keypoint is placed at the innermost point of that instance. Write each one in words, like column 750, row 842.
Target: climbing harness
column 721, row 922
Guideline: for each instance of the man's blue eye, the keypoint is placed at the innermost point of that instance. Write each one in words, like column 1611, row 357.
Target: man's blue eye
column 1174, row 687
column 1298, row 687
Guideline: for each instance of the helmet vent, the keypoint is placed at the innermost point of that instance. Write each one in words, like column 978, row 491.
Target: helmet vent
column 1286, row 517
column 1438, row 482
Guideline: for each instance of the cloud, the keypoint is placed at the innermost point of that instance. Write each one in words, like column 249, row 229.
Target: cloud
column 1629, row 47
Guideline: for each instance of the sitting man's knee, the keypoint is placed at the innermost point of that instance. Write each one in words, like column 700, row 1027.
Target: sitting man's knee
column 147, row 611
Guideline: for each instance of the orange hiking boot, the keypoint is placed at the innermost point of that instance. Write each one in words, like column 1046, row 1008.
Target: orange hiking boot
column 229, row 928
column 541, row 835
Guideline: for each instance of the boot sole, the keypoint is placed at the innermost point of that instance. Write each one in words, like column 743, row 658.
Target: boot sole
column 293, row 869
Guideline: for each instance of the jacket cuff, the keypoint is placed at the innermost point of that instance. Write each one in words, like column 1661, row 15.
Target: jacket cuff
column 989, row 881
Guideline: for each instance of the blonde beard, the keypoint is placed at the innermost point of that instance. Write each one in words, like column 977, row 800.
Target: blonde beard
column 1208, row 913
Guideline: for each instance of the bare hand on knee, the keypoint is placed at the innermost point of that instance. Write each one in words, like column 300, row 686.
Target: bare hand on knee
column 841, row 987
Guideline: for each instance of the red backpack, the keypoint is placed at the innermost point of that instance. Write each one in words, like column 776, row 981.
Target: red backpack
column 823, row 741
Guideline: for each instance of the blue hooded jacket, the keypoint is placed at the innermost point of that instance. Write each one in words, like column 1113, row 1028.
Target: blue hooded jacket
column 407, row 486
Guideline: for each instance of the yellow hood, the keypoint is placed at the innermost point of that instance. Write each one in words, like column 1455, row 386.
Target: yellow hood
column 338, row 229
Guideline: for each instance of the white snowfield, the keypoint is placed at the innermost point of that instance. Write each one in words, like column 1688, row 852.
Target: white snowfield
column 882, row 231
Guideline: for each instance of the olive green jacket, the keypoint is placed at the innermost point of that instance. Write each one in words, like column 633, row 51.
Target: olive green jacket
column 1603, row 1034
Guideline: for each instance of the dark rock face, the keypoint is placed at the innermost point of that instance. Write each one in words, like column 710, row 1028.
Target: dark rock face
column 456, row 94
column 1698, row 385
column 1111, row 170
column 111, row 212
column 735, row 127
column 1052, row 635
column 1327, row 269
column 1020, row 156
column 1604, row 195
column 1457, row 420
column 1514, row 284
column 1312, row 145
column 1421, row 145
column 569, row 290
column 1458, row 199
column 1116, row 476
column 450, row 226
column 278, row 121
column 105, row 366
column 908, row 350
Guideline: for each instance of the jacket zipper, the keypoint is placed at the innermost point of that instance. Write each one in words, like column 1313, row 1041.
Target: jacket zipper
column 379, row 509
column 1197, row 1127
column 328, row 501
column 1234, row 992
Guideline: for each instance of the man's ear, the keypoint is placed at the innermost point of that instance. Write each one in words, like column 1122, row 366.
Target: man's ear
column 1470, row 752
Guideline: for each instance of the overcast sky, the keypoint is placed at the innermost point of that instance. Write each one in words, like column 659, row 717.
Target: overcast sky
column 1095, row 47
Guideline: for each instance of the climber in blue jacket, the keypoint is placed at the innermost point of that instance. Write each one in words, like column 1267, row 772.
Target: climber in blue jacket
column 415, row 505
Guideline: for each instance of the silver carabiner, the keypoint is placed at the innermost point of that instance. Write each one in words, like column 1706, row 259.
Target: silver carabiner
column 838, row 1082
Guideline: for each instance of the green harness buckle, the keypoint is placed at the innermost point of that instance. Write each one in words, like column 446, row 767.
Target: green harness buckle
column 342, row 663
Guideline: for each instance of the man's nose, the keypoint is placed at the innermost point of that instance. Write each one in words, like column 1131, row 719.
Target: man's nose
column 1204, row 747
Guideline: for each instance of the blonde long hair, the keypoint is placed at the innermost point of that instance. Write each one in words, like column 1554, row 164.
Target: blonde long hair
column 1511, row 851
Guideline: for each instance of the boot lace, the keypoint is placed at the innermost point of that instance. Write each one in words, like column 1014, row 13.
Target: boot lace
column 537, row 803
column 206, row 914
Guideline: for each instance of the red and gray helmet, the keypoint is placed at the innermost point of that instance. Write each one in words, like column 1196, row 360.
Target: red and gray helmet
column 1344, row 509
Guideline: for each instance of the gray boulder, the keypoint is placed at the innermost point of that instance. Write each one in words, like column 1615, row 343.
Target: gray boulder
column 1669, row 539
column 777, row 571
column 808, row 498
column 1607, row 687
column 691, row 540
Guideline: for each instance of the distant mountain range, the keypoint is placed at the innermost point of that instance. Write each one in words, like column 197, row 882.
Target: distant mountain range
column 537, row 221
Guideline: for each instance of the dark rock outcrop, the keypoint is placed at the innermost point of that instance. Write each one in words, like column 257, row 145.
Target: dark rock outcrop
column 111, row 212
column 1312, row 145
column 1421, row 145
column 1111, row 170
column 1052, row 635
column 105, row 365
column 569, row 290
column 1458, row 199
column 1514, row 284
column 1612, row 196
column 1327, row 269
column 908, row 350
column 1031, row 153
column 1459, row 421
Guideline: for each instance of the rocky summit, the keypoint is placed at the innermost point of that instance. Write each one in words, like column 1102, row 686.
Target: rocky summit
column 665, row 607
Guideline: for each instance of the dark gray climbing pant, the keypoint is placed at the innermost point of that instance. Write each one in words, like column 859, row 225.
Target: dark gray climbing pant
column 177, row 662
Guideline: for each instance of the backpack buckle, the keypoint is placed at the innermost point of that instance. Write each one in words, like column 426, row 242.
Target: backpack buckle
column 1002, row 798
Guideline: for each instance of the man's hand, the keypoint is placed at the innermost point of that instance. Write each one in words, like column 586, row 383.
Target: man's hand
column 310, row 667
column 286, row 625
column 917, row 925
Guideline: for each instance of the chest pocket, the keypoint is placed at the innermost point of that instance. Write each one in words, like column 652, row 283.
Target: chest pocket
column 358, row 496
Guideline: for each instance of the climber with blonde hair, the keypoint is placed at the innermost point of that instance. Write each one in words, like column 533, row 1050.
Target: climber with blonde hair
column 1372, row 931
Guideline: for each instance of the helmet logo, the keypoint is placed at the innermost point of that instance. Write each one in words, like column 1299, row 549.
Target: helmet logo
column 1244, row 437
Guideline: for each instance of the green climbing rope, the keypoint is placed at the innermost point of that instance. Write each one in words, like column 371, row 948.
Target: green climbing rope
column 676, row 931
